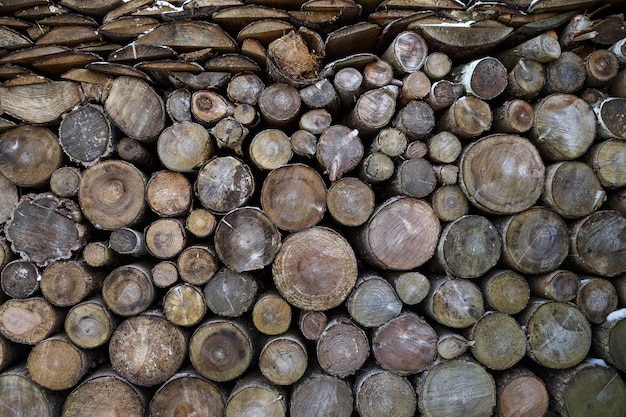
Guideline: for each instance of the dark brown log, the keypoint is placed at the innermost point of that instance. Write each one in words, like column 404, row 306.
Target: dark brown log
column 271, row 314
column 12, row 39
column 29, row 155
column 608, row 337
column 521, row 393
column 135, row 152
column 468, row 247
column 572, row 189
column 342, row 348
column 456, row 386
column 111, row 194
column 135, row 356
column 511, row 174
column 373, row 110
column 601, row 67
column 360, row 37
column 319, row 391
column 497, row 341
column 184, row 305
column 559, row 335
column 252, row 394
column 64, row 182
column 200, row 222
column 467, row 117
column 188, row 391
column 57, row 364
column 505, row 291
column 45, row 228
column 402, row 234
column 559, row 285
column 597, row 243
column 127, row 241
column 514, row 116
column 289, row 213
column 20, row 279
column 484, row 78
column 596, row 299
column 229, row 293
column 283, row 359
column 279, row 104
column 339, row 150
column 295, row 58
column 415, row 120
column 404, row 345
column 222, row 350
column 29, row 321
column 379, row 392
column 442, row 94
column 449, row 203
column 128, row 289
column 66, row 283
column 315, row 269
column 165, row 238
column 373, row 301
column 169, row 194
column 23, row 396
column 610, row 113
column 566, row 74
column 197, row 264
column 89, row 324
column 526, row 79
column 269, row 149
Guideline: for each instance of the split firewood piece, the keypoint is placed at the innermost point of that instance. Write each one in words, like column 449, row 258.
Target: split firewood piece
column 185, row 147
column 402, row 234
column 234, row 19
column 29, row 321
column 117, row 70
column 223, row 184
column 320, row 250
column 189, row 35
column 45, row 228
column 339, row 150
column 265, row 30
column 40, row 103
column 405, row 345
column 545, row 322
column 543, row 6
column 511, row 176
column 12, row 39
column 232, row 63
column 246, row 239
column 127, row 28
column 289, row 213
column 62, row 62
column 26, row 56
column 69, row 35
column 360, row 37
column 296, row 58
column 133, row 53
column 90, row 323
column 111, row 194
column 136, row 357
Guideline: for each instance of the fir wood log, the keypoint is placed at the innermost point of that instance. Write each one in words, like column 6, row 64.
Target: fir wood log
column 608, row 338
column 390, row 141
column 128, row 289
column 542, row 48
column 229, row 293
column 185, row 147
column 165, row 238
column 572, row 189
column 135, row 152
column 245, row 89
column 64, row 181
column 45, row 228
column 498, row 341
column 321, row 95
column 40, row 103
column 197, row 264
column 586, row 389
column 111, row 194
column 164, row 274
column 7, row 204
column 135, row 356
column 450, row 345
column 467, row 117
column 455, row 387
column 596, row 299
column 526, row 79
column 303, row 143
column 66, row 283
column 293, row 196
column 221, row 350
column 449, row 203
column 446, row 174
column 559, row 285
column 57, row 364
column 283, row 359
column 86, row 135
column 416, row 119
column 20, row 279
column 505, row 291
column 315, row 269
column 89, row 324
column 601, row 67
column 200, row 222
column 279, row 105
column 401, row 234
column 605, row 160
column 468, row 247
column 169, row 194
column 373, row 110
column 178, row 105
column 415, row 86
column 501, row 174
column 376, row 168
column 379, row 392
column 443, row 93
column 339, row 150
column 411, row 286
column 315, row 121
column 405, row 345
column 99, row 254
column 329, row 395
column 22, row 396
column 187, row 391
column 246, row 239
column 224, row 183
column 597, row 243
column 485, row 78
column 29, row 321
column 208, row 107
column 453, row 302
column 10, row 353
column 255, row 394
column 437, row 65
column 350, row 201
column 407, row 52
column 270, row 149
column 558, row 334
column 373, row 301
column 312, row 323
column 184, row 305
column 347, row 82
column 519, row 392
column 610, row 113
column 376, row 74
column 271, row 314
column 566, row 74
column 342, row 348
column 443, row 148
column 29, row 155
column 514, row 116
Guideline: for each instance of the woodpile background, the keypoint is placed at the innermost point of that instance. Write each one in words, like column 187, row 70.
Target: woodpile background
column 330, row 208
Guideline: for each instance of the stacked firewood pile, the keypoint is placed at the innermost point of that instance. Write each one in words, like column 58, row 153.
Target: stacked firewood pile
column 332, row 207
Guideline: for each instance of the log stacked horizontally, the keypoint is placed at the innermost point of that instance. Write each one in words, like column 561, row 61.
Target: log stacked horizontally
column 348, row 207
